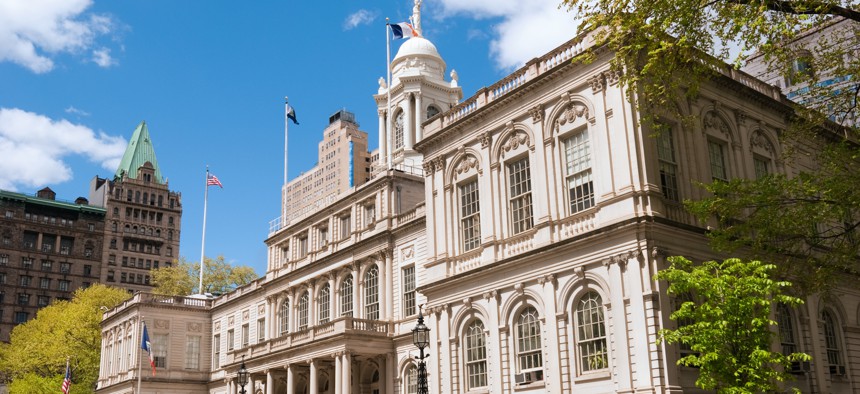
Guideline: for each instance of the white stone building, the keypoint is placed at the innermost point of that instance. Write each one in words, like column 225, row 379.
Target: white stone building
column 532, row 238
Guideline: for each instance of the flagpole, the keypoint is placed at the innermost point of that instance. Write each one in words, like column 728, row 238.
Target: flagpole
column 139, row 364
column 286, row 139
column 203, row 241
column 388, row 148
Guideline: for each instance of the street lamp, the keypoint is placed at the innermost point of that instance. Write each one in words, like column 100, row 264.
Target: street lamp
column 242, row 375
column 421, row 339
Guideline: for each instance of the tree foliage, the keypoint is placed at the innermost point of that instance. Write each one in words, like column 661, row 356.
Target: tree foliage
column 725, row 319
column 183, row 277
column 35, row 358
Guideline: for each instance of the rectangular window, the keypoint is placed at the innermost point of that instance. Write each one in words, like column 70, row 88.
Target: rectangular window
column 261, row 330
column 668, row 165
column 369, row 214
column 717, row 156
column 323, row 236
column 10, row 214
column 216, row 353
column 23, row 299
column 26, row 280
column 21, row 317
column 409, row 291
column 246, row 335
column 44, row 300
column 302, row 246
column 64, row 285
column 192, row 352
column 230, row 340
column 65, row 268
column 577, row 154
column 470, row 219
column 45, row 283
column 762, row 167
column 2, row 278
column 519, row 180
column 47, row 265
column 27, row 263
column 4, row 259
column 345, row 228
column 160, row 344
column 88, row 270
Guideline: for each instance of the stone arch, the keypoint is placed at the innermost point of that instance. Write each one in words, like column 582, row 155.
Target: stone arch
column 517, row 301
column 575, row 287
column 467, row 314
column 564, row 104
column 762, row 138
column 514, row 135
column 715, row 121
column 463, row 162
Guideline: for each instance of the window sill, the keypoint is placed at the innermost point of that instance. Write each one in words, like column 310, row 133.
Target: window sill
column 530, row 386
column 592, row 376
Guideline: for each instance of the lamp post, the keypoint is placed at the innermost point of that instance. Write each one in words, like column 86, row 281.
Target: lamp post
column 421, row 339
column 242, row 375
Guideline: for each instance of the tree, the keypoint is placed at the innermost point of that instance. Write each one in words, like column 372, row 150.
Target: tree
column 667, row 50
column 35, row 357
column 183, row 277
column 725, row 320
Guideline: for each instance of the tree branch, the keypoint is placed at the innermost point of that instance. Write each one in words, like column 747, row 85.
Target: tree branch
column 809, row 8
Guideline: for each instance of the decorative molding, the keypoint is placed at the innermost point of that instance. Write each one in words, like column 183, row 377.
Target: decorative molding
column 467, row 302
column 596, row 83
column 467, row 163
column 536, row 113
column 407, row 252
column 579, row 272
column 519, row 288
column 572, row 112
column 246, row 314
column 231, row 320
column 658, row 252
column 613, row 77
column 217, row 326
column 485, row 139
column 261, row 310
column 758, row 140
column 715, row 122
column 194, row 327
column 490, row 294
column 427, row 165
column 438, row 163
column 515, row 140
column 162, row 324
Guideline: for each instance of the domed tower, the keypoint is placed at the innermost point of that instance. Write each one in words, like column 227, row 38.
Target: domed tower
column 417, row 92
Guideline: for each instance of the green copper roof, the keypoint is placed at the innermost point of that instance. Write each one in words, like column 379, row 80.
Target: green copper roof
column 139, row 151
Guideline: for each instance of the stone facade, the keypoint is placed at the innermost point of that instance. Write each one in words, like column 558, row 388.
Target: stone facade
column 531, row 241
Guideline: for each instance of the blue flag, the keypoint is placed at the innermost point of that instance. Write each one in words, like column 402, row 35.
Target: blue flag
column 291, row 114
column 145, row 344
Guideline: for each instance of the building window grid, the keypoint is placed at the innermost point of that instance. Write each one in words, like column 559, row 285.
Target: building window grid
column 412, row 380
column 476, row 356
column 303, row 311
column 346, row 297
column 529, row 341
column 520, row 195
column 261, row 330
column 717, row 156
column 577, row 153
column 786, row 330
column 159, row 350
column 591, row 333
column 831, row 341
column 761, row 166
column 246, row 335
column 285, row 317
column 192, row 353
column 324, row 305
column 398, row 130
column 470, row 221
column 668, row 165
column 216, row 354
column 231, row 340
column 371, row 294
column 345, row 228
column 409, row 301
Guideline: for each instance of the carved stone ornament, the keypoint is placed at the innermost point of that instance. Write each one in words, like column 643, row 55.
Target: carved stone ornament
column 519, row 288
column 230, row 321
column 467, row 163
column 438, row 163
column 714, row 122
column 261, row 310
column 485, row 139
column 537, row 113
column 194, row 327
column 596, row 83
column 428, row 166
column 467, row 302
column 162, row 324
column 515, row 140
column 572, row 112
column 217, row 326
column 246, row 314
column 408, row 252
column 612, row 77
column 758, row 140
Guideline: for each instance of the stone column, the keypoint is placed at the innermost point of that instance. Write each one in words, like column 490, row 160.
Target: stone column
column 338, row 375
column 332, row 298
column 356, row 292
column 419, row 118
column 383, row 148
column 314, row 381
column 232, row 387
column 291, row 380
column 267, row 323
column 390, row 372
column 250, row 387
column 270, row 382
column 408, row 127
column 347, row 373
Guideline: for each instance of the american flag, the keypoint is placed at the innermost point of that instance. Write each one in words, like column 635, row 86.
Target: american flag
column 213, row 180
column 67, row 382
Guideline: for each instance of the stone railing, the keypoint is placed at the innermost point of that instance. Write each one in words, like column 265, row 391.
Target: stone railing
column 339, row 326
column 517, row 244
column 408, row 216
column 677, row 213
column 153, row 299
column 577, row 224
column 464, row 262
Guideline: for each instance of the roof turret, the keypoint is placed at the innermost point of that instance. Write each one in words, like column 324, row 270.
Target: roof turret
column 138, row 152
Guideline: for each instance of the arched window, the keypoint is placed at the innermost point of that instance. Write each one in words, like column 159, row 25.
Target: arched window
column 285, row 317
column 371, row 294
column 411, row 380
column 786, row 329
column 346, row 296
column 831, row 342
column 476, row 356
column 591, row 333
column 528, row 340
column 432, row 111
column 398, row 130
column 324, row 305
column 303, row 311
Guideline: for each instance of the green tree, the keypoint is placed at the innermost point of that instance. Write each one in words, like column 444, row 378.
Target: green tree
column 725, row 318
column 35, row 357
column 183, row 277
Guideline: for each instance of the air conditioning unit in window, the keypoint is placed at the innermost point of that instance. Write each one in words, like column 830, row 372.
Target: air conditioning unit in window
column 528, row 377
column 798, row 367
column 837, row 370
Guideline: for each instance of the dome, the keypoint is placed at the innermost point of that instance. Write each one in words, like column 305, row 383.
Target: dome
column 417, row 46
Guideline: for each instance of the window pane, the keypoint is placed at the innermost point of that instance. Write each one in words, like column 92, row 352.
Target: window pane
column 346, row 297
column 591, row 333
column 371, row 294
column 520, row 195
column 716, row 152
column 476, row 356
column 470, row 216
column 529, row 341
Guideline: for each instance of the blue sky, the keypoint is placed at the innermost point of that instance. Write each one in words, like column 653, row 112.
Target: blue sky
column 209, row 78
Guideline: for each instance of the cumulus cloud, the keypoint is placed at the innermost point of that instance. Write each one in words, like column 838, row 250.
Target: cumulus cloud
column 527, row 29
column 33, row 31
column 34, row 147
column 102, row 57
column 360, row 17
column 74, row 111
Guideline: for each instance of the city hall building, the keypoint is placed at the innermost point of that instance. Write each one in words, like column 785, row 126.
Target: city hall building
column 525, row 223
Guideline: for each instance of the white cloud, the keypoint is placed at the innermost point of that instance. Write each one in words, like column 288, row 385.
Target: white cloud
column 527, row 29
column 34, row 147
column 75, row 111
column 102, row 57
column 360, row 17
column 33, row 31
